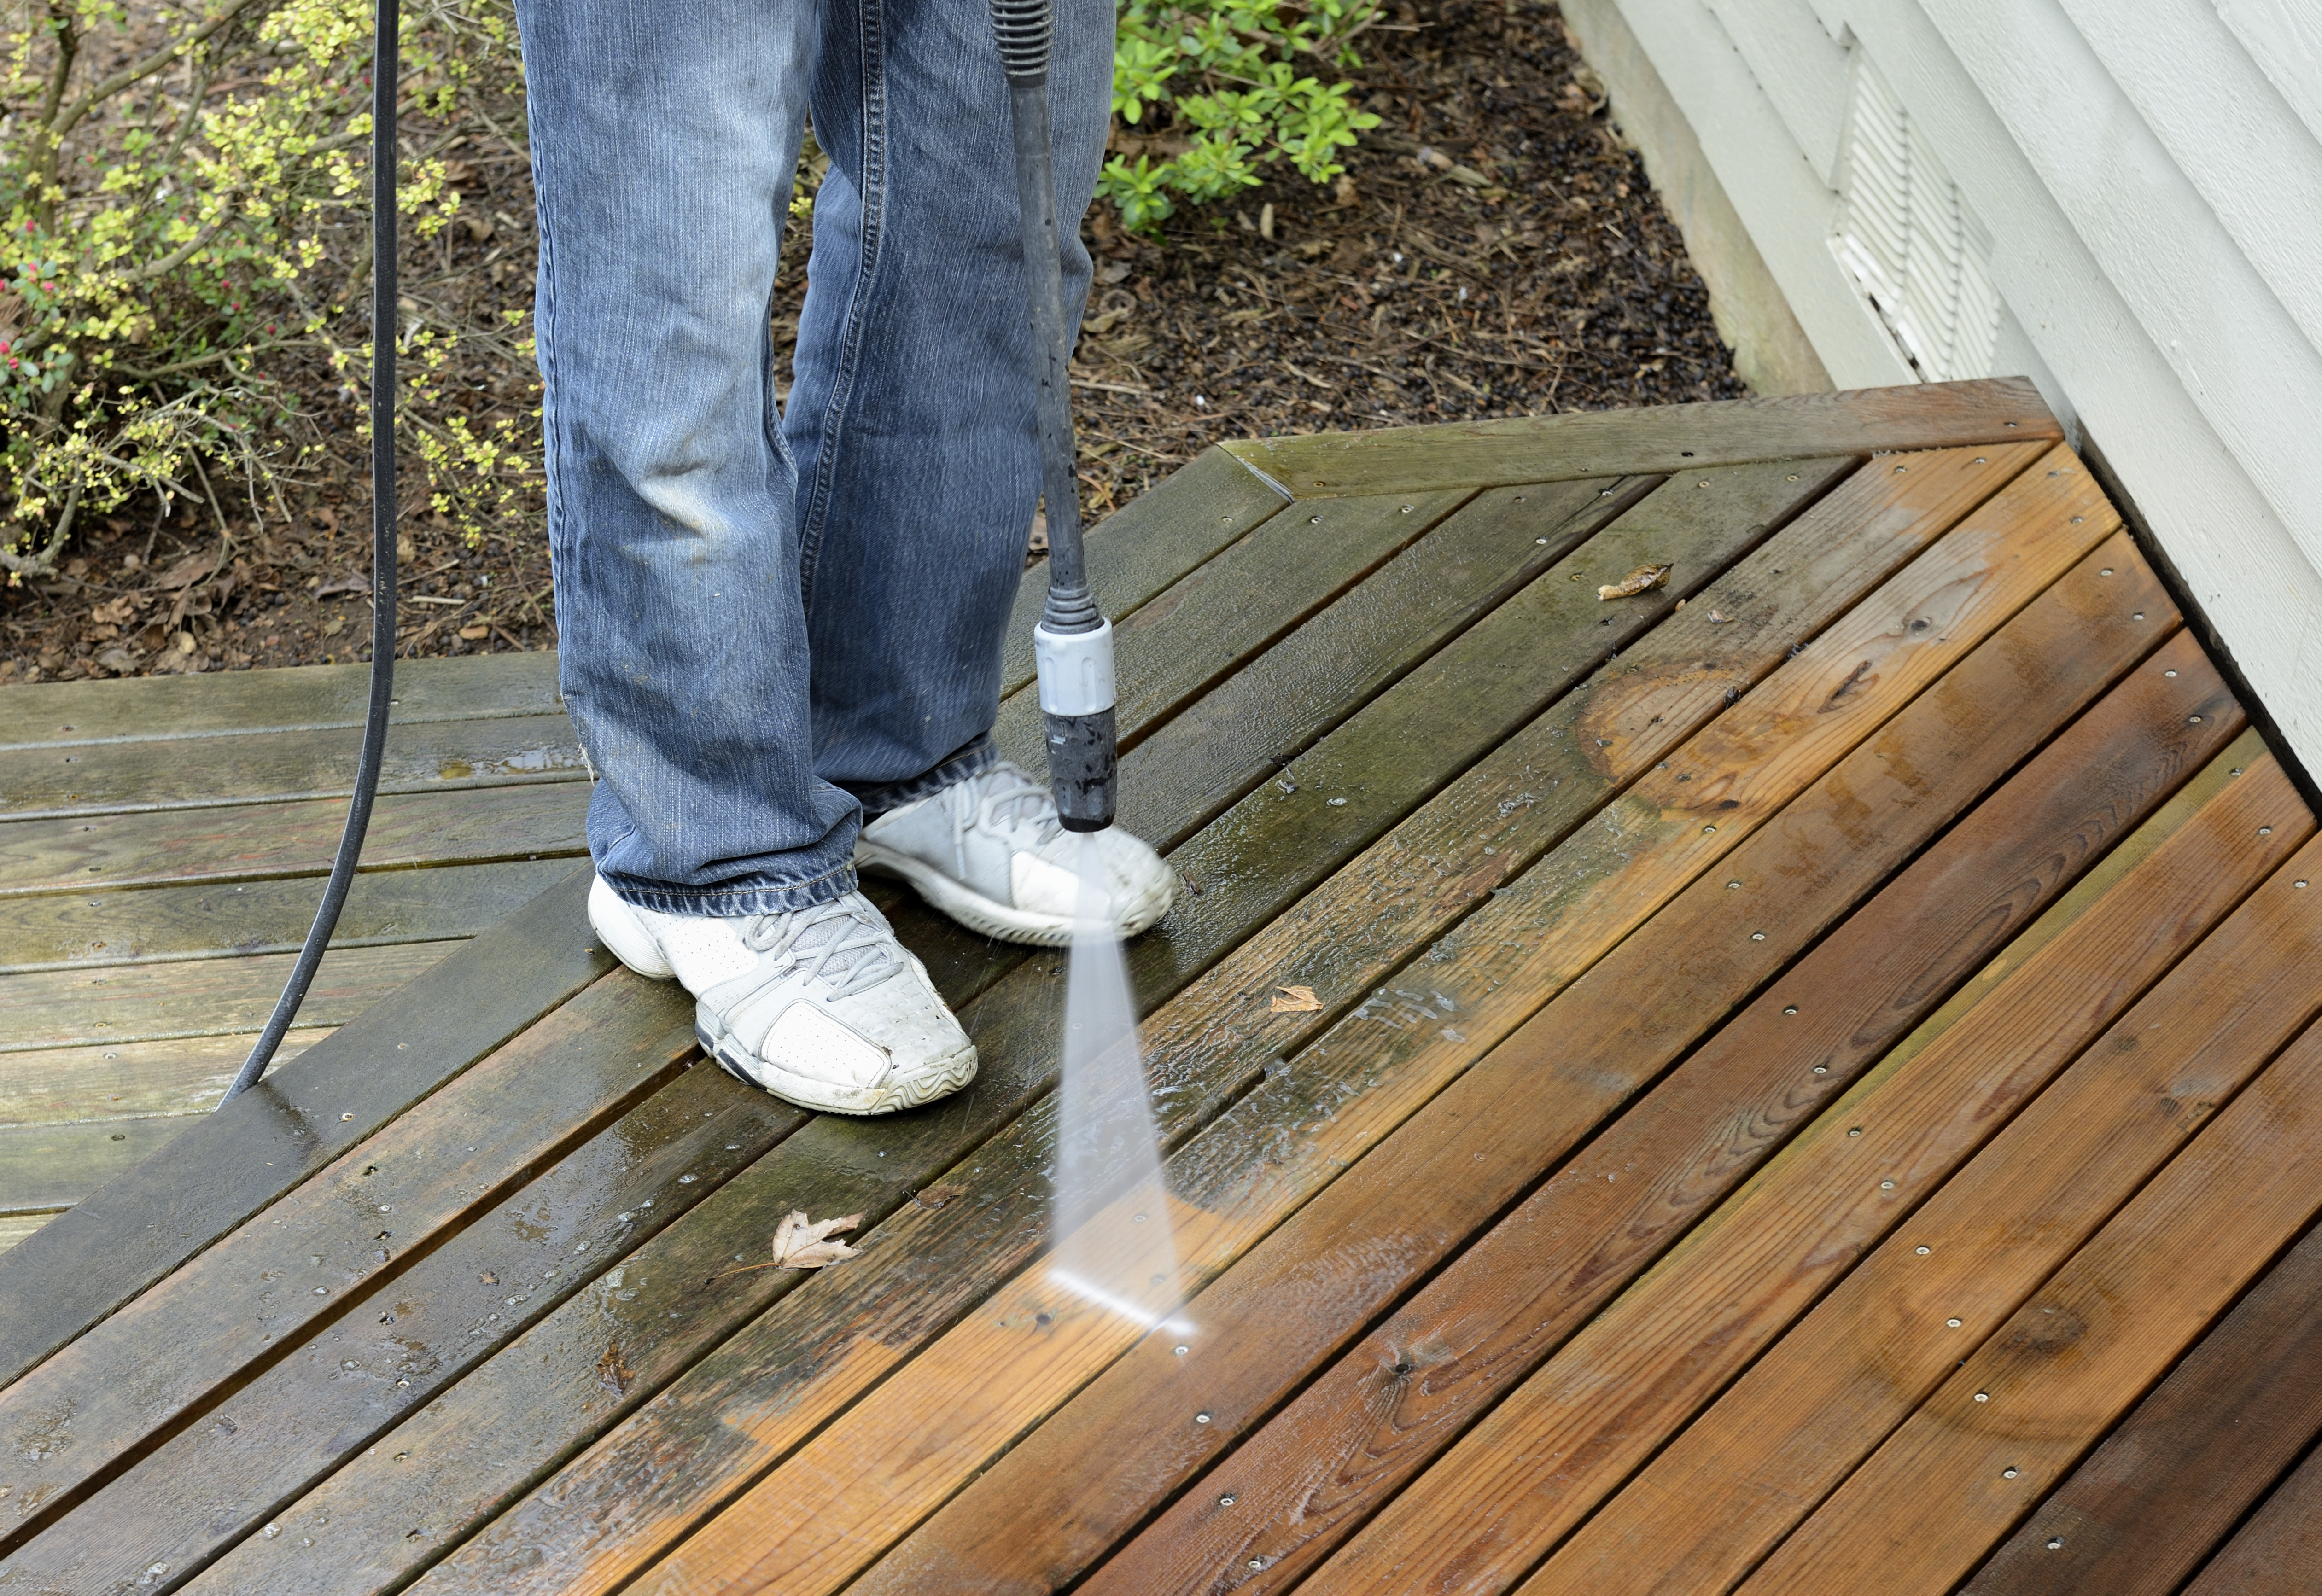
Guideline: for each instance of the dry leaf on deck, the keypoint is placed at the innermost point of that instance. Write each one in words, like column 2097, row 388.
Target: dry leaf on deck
column 1295, row 1000
column 1717, row 618
column 800, row 1243
column 613, row 1370
column 1643, row 580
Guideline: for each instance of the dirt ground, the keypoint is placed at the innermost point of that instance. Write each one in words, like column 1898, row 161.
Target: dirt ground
column 1492, row 251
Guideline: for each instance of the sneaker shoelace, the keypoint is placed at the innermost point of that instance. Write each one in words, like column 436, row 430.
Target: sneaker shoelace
column 1002, row 796
column 837, row 943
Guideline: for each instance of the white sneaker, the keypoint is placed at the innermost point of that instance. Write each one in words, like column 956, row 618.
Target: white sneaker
column 991, row 852
column 822, row 1007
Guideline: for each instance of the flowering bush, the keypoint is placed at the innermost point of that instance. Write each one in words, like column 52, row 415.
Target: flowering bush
column 1236, row 78
column 183, row 213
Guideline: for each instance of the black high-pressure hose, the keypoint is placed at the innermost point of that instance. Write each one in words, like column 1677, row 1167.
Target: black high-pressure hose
column 1073, row 645
column 386, row 57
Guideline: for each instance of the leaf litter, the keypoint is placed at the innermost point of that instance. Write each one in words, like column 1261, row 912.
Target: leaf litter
column 1643, row 580
column 1295, row 1000
column 800, row 1243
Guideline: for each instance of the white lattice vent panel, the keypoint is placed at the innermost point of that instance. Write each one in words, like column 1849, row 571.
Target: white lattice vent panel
column 1906, row 239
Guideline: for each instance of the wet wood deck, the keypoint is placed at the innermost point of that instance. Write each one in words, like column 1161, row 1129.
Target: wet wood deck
column 1816, row 1088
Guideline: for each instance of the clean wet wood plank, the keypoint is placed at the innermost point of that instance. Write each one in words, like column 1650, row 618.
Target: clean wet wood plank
column 2171, row 1482
column 1347, row 1440
column 2278, row 1552
column 1664, row 439
column 1295, row 1475
column 1805, row 1414
column 1922, row 1510
column 1470, row 839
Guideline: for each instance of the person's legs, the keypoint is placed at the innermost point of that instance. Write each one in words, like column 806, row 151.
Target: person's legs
column 664, row 140
column 911, row 418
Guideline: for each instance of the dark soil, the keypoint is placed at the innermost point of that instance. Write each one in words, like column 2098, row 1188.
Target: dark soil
column 1493, row 250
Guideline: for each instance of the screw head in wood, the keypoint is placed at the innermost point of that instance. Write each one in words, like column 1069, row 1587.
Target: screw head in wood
column 1822, row 1069
column 1757, row 936
column 1200, row 1419
column 2009, row 1472
column 1225, row 1501
column 1886, row 1185
column 2055, row 1543
column 1793, row 1009
column 2106, row 572
column 1952, row 1324
column 2265, row 831
column 1181, row 1349
column 1983, row 1396
column 1923, row 1252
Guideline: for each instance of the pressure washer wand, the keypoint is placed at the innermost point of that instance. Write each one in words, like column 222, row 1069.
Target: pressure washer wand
column 1072, row 647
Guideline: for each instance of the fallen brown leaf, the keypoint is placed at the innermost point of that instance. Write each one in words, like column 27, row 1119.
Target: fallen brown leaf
column 933, row 1197
column 613, row 1370
column 1295, row 1000
column 800, row 1243
column 1643, row 580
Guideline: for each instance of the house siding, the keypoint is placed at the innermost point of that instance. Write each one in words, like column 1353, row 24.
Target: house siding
column 2139, row 181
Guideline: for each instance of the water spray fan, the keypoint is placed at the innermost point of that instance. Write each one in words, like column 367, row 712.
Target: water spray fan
column 1072, row 647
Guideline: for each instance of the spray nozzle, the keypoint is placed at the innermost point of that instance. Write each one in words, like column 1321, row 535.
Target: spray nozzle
column 1075, row 676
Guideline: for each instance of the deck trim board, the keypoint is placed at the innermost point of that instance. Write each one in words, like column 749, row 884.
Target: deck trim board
column 1469, row 838
column 1666, row 438
column 276, row 842
column 240, row 920
column 284, row 767
column 174, row 999
column 2036, row 824
column 247, row 703
column 215, row 1175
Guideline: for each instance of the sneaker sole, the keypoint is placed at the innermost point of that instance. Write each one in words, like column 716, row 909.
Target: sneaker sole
column 940, row 1079
column 987, row 917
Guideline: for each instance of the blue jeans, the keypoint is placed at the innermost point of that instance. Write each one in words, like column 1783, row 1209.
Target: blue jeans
column 773, row 618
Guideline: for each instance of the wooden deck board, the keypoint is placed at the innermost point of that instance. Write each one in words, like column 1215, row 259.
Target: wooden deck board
column 1552, row 1250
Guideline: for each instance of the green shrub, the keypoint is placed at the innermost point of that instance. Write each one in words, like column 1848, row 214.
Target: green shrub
column 184, row 228
column 176, row 231
column 1234, row 81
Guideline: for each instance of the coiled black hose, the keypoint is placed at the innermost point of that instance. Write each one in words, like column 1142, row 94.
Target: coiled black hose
column 386, row 58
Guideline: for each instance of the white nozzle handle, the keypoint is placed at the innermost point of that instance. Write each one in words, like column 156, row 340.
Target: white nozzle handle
column 1074, row 669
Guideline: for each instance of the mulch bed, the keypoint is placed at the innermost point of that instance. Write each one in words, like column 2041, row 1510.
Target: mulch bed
column 1493, row 250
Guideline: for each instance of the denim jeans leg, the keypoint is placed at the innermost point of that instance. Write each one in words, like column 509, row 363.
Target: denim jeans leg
column 665, row 138
column 911, row 418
